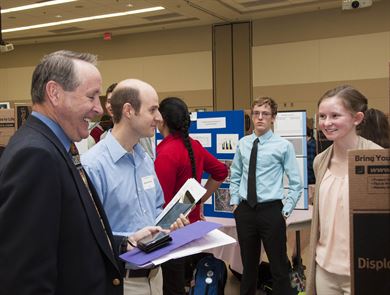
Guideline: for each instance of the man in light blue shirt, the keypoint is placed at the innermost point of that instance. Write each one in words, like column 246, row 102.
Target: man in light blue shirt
column 124, row 176
column 262, row 217
column 126, row 184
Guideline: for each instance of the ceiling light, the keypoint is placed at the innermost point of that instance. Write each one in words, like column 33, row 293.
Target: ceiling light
column 83, row 19
column 36, row 5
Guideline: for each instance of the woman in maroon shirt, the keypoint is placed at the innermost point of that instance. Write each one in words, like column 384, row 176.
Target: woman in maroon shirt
column 179, row 157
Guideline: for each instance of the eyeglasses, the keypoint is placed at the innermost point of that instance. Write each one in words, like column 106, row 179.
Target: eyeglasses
column 263, row 114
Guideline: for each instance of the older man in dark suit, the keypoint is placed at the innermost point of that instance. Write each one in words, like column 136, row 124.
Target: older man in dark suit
column 55, row 237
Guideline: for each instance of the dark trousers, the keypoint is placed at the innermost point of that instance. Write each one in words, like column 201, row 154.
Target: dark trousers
column 264, row 223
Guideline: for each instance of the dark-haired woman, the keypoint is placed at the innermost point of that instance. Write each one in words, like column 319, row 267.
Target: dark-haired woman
column 376, row 128
column 179, row 157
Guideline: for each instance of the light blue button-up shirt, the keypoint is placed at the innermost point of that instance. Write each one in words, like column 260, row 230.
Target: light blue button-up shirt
column 126, row 184
column 275, row 156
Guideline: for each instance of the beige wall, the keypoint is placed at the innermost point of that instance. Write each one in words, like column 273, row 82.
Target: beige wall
column 295, row 58
column 300, row 58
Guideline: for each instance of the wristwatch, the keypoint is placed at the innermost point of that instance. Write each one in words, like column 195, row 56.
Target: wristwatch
column 123, row 246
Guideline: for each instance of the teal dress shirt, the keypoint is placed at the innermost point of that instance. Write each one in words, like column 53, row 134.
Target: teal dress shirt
column 275, row 157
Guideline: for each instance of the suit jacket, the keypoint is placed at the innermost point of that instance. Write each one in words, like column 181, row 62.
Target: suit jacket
column 321, row 163
column 52, row 239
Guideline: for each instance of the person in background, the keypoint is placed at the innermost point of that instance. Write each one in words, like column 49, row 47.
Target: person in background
column 340, row 111
column 311, row 153
column 23, row 114
column 124, row 176
column 104, row 124
column 256, row 188
column 375, row 127
column 55, row 237
column 179, row 158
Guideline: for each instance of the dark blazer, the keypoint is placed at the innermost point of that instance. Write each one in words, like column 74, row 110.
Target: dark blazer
column 51, row 238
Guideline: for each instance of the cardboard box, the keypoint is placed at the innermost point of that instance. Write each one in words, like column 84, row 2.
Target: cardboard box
column 369, row 207
column 7, row 125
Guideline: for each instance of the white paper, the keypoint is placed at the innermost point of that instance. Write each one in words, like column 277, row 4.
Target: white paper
column 193, row 116
column 213, row 239
column 203, row 138
column 289, row 124
column 298, row 143
column 191, row 185
column 211, row 123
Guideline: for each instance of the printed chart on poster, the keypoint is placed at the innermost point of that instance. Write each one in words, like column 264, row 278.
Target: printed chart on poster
column 219, row 133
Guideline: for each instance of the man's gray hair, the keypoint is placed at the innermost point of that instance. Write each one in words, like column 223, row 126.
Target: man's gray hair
column 59, row 67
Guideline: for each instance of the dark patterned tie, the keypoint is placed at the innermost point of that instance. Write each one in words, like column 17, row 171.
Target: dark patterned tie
column 252, row 196
column 76, row 161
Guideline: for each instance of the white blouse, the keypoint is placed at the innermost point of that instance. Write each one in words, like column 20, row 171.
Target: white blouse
column 333, row 245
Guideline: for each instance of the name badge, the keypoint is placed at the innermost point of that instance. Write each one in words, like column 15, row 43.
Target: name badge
column 148, row 182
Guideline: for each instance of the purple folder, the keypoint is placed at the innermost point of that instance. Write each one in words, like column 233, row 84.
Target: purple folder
column 180, row 237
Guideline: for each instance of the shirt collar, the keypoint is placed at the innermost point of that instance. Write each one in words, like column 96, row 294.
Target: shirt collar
column 263, row 138
column 55, row 128
column 117, row 151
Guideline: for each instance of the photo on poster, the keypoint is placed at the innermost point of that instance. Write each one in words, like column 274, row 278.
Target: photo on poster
column 222, row 200
column 227, row 143
column 22, row 111
column 228, row 163
column 4, row 105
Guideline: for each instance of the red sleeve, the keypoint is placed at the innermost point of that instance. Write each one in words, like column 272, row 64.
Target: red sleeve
column 217, row 170
column 96, row 133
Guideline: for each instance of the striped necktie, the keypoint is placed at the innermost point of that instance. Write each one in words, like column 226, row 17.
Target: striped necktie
column 76, row 161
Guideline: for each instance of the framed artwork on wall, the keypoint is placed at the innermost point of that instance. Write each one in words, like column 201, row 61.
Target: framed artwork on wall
column 4, row 105
column 22, row 111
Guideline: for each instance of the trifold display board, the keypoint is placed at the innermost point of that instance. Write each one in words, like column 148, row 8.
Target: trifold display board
column 219, row 132
column 291, row 125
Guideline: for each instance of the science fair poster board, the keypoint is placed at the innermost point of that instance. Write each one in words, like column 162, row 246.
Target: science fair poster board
column 219, row 132
column 7, row 125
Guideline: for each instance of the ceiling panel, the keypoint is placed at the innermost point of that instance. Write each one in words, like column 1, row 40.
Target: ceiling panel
column 177, row 13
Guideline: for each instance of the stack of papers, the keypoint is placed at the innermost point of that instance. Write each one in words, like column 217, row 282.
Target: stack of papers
column 188, row 240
